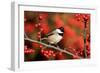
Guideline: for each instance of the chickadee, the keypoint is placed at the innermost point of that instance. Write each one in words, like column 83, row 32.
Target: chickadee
column 55, row 36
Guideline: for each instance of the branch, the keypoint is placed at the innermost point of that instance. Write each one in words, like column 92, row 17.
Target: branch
column 25, row 35
column 85, row 43
column 51, row 47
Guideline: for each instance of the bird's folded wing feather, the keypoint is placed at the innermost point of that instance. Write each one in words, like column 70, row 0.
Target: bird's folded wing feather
column 51, row 33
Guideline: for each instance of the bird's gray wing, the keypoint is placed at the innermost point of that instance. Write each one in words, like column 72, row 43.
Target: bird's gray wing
column 51, row 33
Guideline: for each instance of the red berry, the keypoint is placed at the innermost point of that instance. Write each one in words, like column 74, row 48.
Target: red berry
column 42, row 51
column 39, row 24
column 76, row 15
column 79, row 19
column 83, row 16
column 24, row 19
column 41, row 46
column 49, row 54
column 60, row 53
column 81, row 53
column 40, row 17
column 25, row 47
column 39, row 33
column 54, row 55
column 41, row 29
column 38, row 36
column 51, row 51
column 46, row 52
column 36, row 25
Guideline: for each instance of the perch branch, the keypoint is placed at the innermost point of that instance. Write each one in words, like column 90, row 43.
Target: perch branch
column 57, row 48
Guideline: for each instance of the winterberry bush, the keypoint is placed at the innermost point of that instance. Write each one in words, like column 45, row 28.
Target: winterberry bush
column 75, row 43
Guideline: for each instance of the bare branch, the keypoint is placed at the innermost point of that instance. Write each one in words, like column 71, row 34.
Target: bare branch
column 57, row 48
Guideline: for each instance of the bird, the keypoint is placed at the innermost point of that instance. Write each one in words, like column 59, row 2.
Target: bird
column 55, row 36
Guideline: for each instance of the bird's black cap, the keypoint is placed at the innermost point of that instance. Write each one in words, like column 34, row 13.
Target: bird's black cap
column 61, row 28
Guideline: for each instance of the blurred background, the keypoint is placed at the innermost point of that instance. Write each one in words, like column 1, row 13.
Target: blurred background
column 38, row 24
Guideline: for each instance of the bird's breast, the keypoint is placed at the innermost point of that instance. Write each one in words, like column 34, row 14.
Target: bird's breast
column 54, row 39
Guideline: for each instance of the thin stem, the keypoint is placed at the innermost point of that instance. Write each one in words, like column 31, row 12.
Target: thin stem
column 25, row 35
column 85, row 38
column 40, row 36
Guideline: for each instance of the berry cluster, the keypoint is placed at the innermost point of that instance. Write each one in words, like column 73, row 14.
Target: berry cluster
column 82, row 17
column 28, row 50
column 48, row 53
column 38, row 26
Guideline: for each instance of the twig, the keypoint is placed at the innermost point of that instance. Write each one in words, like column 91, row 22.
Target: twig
column 85, row 21
column 25, row 35
column 51, row 47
